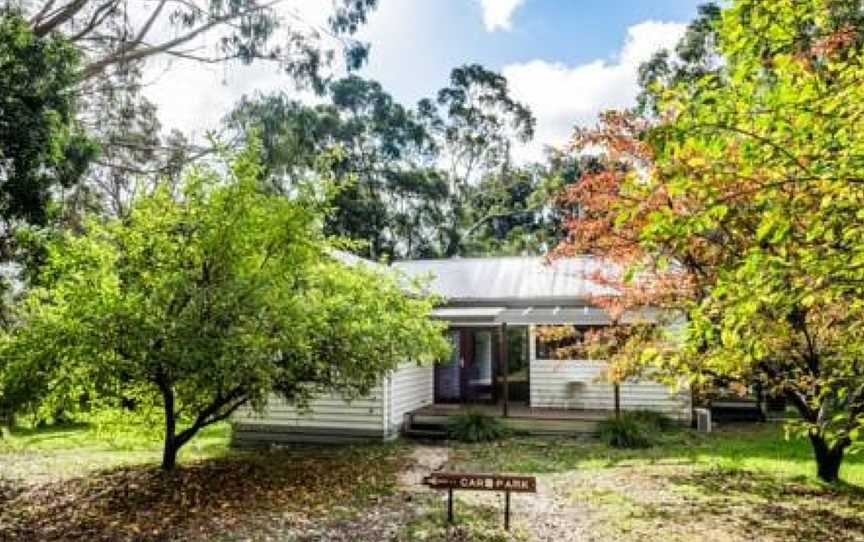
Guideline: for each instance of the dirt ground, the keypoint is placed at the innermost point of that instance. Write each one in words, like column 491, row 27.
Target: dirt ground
column 585, row 492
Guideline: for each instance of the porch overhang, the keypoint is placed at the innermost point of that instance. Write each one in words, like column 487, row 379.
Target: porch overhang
column 538, row 315
column 468, row 315
column 545, row 315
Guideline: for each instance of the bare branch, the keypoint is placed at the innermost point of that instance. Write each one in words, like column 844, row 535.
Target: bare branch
column 62, row 15
column 36, row 19
column 147, row 26
column 99, row 16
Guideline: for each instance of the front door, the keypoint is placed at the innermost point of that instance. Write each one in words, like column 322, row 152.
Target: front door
column 469, row 375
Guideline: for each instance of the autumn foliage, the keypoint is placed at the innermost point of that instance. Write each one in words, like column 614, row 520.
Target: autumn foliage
column 735, row 211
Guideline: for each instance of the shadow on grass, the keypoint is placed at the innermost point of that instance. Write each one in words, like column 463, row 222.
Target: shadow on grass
column 50, row 430
column 765, row 506
column 38, row 436
column 203, row 499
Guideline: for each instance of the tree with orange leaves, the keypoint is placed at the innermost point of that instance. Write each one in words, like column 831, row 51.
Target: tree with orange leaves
column 735, row 209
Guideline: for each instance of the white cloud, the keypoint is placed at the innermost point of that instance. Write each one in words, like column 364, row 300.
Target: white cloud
column 498, row 14
column 563, row 96
column 194, row 97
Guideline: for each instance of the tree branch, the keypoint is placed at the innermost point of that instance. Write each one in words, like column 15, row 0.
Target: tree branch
column 147, row 26
column 212, row 414
column 61, row 17
column 42, row 13
column 132, row 54
column 99, row 15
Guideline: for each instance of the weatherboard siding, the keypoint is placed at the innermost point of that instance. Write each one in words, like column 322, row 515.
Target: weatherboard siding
column 411, row 387
column 578, row 384
column 330, row 417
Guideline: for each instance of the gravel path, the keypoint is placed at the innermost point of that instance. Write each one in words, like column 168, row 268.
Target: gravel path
column 384, row 520
column 546, row 516
column 549, row 515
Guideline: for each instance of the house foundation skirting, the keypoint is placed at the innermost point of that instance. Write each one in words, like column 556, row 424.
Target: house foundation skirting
column 245, row 435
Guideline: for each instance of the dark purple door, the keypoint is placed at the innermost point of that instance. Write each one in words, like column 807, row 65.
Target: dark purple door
column 469, row 374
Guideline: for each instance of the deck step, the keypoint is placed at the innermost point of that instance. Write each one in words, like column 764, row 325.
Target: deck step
column 435, row 426
column 426, row 433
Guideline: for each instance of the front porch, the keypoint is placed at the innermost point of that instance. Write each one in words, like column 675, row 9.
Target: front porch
column 431, row 421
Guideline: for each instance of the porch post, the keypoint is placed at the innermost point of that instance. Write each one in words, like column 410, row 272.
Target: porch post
column 504, row 366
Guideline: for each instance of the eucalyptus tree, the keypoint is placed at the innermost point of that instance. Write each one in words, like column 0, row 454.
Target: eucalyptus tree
column 475, row 122
column 522, row 212
column 391, row 189
column 116, row 39
column 114, row 33
column 418, row 172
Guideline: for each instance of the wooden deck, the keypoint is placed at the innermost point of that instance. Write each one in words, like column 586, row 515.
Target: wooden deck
column 521, row 418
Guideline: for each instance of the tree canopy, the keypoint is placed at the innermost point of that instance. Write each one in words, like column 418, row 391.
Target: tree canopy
column 117, row 33
column 391, row 192
column 425, row 181
column 42, row 146
column 113, row 40
column 740, row 211
column 207, row 300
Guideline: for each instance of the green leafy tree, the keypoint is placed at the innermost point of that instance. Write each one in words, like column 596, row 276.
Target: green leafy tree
column 43, row 149
column 416, row 173
column 391, row 192
column 695, row 56
column 741, row 212
column 518, row 211
column 475, row 122
column 115, row 39
column 42, row 146
column 210, row 300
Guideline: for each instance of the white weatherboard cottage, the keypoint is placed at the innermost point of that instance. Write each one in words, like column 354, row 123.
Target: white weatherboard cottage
column 493, row 306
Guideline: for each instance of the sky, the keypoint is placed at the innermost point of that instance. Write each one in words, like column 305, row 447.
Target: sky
column 568, row 60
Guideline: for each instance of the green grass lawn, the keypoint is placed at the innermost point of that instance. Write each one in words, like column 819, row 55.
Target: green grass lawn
column 741, row 483
column 77, row 448
column 756, row 447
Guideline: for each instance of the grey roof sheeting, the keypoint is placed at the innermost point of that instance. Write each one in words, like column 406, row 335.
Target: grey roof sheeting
column 512, row 279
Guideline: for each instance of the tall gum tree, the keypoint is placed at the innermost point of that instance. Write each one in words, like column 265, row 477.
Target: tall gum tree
column 737, row 205
column 117, row 40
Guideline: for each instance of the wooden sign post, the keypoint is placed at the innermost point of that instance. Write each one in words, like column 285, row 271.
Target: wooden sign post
column 481, row 482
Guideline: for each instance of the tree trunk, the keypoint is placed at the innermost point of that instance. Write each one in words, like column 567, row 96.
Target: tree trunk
column 169, row 451
column 828, row 458
column 169, row 454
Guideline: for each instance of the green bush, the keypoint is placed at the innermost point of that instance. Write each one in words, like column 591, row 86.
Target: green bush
column 655, row 420
column 625, row 431
column 476, row 427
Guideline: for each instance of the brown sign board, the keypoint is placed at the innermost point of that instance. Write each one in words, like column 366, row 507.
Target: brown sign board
column 481, row 482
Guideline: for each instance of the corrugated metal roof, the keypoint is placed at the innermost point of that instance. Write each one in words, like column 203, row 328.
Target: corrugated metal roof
column 510, row 278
